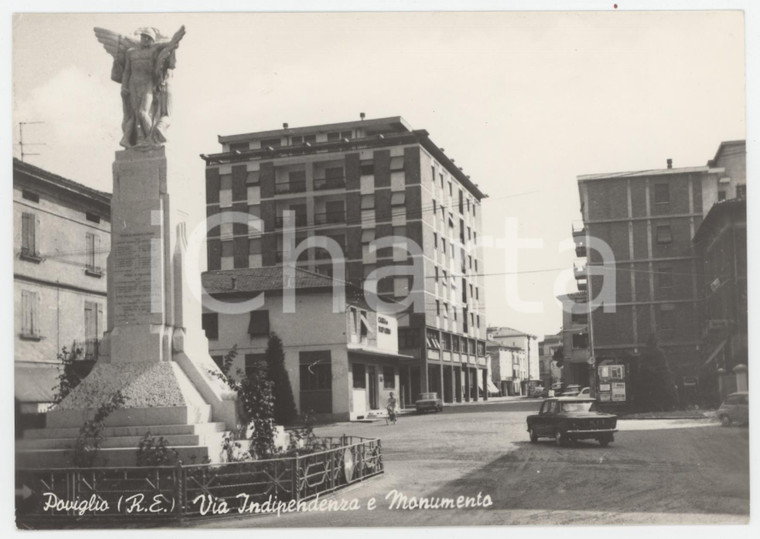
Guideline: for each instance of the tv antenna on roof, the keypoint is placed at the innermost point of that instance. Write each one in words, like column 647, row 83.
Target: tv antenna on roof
column 21, row 142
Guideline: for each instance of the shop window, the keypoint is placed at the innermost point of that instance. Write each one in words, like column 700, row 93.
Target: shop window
column 359, row 376
column 389, row 378
column 315, row 371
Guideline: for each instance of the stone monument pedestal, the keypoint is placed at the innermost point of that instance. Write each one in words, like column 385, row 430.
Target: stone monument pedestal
column 154, row 352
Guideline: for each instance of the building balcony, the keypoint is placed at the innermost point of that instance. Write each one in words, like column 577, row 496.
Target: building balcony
column 321, row 184
column 582, row 285
column 327, row 218
column 293, row 186
column 300, row 220
column 580, row 271
column 579, row 237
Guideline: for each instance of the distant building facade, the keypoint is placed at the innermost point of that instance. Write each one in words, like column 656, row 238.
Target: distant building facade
column 509, row 368
column 648, row 219
column 575, row 354
column 342, row 365
column 528, row 343
column 551, row 370
column 721, row 242
column 61, row 238
column 357, row 182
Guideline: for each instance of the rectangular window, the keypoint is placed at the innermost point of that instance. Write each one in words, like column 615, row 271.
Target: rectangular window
column 368, row 202
column 93, row 328
column 435, row 240
column 315, row 370
column 91, row 253
column 408, row 338
column 398, row 199
column 444, row 278
column 253, row 177
column 461, row 201
column 438, row 307
column 436, row 274
column 446, row 341
column 721, row 195
column 359, row 376
column 254, row 363
column 367, row 169
column 210, row 324
column 446, row 311
column 239, row 147
column 661, row 193
column 258, row 324
column 665, row 277
column 30, row 309
column 29, row 231
column 28, row 195
column 443, row 245
column 273, row 142
column 664, row 234
column 389, row 378
column 432, row 339
column 92, row 217
column 400, row 287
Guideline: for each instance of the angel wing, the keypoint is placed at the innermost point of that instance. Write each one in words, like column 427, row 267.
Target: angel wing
column 165, row 59
column 117, row 46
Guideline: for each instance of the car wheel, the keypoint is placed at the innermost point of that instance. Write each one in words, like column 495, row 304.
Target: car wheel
column 604, row 441
column 533, row 435
column 560, row 438
column 725, row 420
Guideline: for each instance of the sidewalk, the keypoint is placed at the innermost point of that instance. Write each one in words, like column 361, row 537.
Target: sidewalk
column 675, row 414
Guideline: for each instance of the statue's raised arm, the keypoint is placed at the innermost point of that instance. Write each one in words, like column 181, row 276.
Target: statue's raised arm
column 142, row 68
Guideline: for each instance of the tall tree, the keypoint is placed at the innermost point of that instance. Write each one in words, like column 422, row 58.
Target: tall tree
column 655, row 387
column 284, row 404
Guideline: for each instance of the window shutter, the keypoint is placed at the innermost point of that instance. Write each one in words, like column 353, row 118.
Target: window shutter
column 35, row 322
column 26, row 312
column 35, row 234
column 99, row 327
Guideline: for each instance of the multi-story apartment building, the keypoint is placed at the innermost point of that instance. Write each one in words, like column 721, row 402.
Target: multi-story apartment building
column 646, row 221
column 509, row 368
column 355, row 183
column 528, row 343
column 61, row 238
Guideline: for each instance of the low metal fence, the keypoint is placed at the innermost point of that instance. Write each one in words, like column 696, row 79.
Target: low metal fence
column 162, row 494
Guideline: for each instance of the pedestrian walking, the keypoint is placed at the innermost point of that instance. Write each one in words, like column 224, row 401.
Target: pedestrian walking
column 391, row 409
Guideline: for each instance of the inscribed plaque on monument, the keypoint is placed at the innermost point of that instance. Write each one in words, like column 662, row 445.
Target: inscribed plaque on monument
column 136, row 294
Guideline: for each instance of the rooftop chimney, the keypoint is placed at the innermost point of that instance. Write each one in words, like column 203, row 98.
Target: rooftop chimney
column 285, row 125
column 670, row 163
column 361, row 115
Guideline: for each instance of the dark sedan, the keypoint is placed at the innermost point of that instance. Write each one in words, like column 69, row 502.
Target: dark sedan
column 567, row 419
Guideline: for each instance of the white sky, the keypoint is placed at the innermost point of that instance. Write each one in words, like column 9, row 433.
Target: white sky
column 524, row 102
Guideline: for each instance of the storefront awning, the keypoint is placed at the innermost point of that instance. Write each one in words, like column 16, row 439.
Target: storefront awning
column 354, row 348
column 35, row 383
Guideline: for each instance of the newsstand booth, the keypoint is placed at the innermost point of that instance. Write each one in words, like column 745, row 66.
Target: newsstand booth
column 614, row 382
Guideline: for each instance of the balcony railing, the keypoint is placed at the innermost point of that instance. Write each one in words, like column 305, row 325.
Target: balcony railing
column 300, row 220
column 293, row 186
column 333, row 217
column 329, row 183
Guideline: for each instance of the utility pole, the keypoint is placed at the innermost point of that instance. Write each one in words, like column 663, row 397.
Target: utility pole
column 21, row 142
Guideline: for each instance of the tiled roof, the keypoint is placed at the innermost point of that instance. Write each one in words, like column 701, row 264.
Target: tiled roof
column 60, row 181
column 260, row 280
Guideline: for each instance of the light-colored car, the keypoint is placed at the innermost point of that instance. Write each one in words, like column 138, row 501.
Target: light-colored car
column 735, row 409
column 428, row 402
column 585, row 392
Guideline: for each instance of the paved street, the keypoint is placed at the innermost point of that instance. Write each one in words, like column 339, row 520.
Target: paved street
column 656, row 472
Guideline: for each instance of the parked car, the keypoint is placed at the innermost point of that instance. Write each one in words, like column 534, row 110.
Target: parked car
column 585, row 393
column 537, row 391
column 570, row 391
column 735, row 409
column 428, row 402
column 568, row 419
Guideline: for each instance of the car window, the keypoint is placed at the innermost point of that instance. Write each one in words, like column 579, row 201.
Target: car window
column 554, row 407
column 733, row 399
column 545, row 407
column 579, row 406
